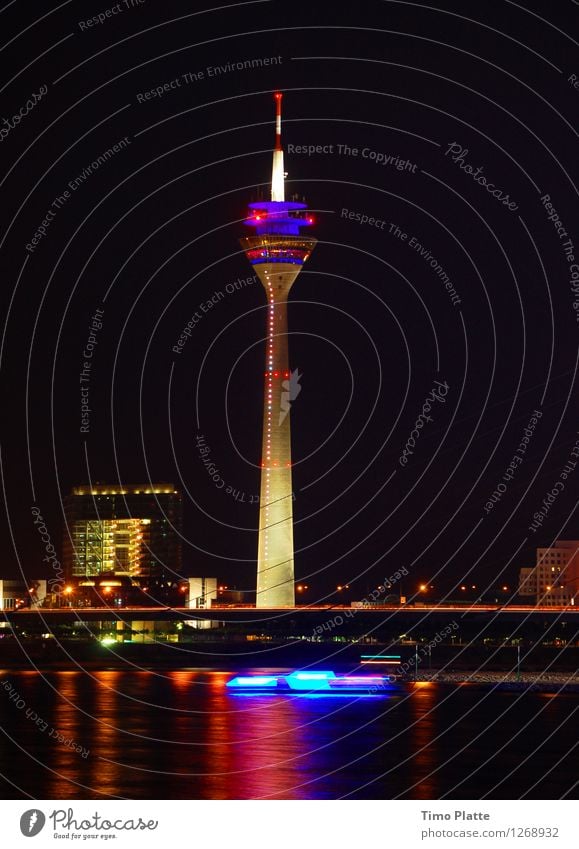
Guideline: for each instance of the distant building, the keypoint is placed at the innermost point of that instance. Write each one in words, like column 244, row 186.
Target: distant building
column 131, row 530
column 15, row 594
column 554, row 580
column 225, row 595
column 202, row 593
column 528, row 582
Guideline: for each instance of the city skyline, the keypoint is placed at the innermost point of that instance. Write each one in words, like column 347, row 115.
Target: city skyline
column 377, row 290
column 349, row 572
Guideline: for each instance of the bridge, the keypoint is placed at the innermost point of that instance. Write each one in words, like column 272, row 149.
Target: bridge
column 293, row 617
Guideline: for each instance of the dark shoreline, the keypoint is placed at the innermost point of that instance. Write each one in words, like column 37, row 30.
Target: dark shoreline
column 543, row 671
column 542, row 682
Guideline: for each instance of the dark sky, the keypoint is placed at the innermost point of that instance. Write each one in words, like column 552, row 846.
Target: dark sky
column 152, row 233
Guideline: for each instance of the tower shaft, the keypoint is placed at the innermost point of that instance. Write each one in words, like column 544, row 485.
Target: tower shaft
column 275, row 551
column 275, row 555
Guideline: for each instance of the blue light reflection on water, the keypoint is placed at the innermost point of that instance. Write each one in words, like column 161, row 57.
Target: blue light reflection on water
column 182, row 735
column 352, row 697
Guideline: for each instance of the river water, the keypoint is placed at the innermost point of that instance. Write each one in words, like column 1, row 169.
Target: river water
column 182, row 735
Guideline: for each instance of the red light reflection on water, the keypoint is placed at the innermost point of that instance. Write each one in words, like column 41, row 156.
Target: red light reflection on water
column 255, row 745
column 425, row 751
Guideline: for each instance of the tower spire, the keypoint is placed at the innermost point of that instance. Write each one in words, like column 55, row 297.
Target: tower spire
column 277, row 171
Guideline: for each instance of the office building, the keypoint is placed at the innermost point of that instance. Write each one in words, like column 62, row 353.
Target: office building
column 554, row 580
column 132, row 530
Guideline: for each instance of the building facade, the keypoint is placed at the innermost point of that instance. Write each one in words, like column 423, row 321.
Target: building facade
column 17, row 593
column 554, row 580
column 133, row 530
column 202, row 594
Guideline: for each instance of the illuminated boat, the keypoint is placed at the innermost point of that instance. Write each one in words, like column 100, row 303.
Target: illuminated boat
column 311, row 681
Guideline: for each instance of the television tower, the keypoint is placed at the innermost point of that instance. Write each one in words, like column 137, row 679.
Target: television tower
column 277, row 251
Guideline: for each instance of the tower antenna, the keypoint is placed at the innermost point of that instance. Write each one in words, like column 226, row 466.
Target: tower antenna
column 277, row 171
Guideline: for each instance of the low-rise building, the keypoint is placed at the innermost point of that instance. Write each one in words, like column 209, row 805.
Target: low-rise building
column 554, row 580
column 19, row 593
column 202, row 593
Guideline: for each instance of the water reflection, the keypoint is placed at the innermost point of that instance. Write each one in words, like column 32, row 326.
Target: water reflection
column 181, row 735
column 426, row 755
column 272, row 757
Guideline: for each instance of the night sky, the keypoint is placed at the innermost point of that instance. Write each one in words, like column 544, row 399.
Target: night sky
column 465, row 132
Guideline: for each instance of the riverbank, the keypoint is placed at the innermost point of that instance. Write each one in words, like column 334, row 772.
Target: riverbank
column 544, row 682
column 452, row 665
